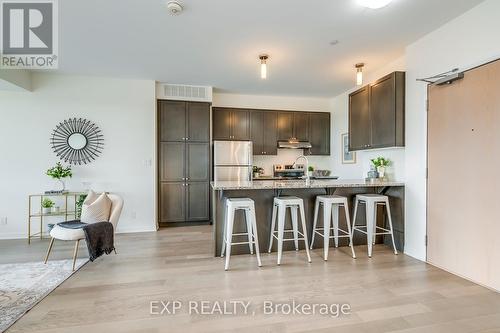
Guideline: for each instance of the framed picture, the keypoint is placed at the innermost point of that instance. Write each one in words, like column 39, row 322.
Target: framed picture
column 348, row 157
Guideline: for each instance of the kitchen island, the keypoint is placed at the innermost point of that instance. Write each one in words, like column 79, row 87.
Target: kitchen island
column 263, row 192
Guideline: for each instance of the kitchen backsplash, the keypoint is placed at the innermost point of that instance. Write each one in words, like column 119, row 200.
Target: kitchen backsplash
column 288, row 156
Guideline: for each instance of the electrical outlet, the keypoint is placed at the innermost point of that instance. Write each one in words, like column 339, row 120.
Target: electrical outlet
column 3, row 220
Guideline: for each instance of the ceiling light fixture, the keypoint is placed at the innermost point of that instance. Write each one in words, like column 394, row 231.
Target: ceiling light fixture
column 174, row 8
column 374, row 4
column 263, row 66
column 359, row 73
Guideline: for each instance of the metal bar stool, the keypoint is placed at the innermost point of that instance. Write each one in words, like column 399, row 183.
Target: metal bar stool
column 231, row 206
column 331, row 204
column 280, row 205
column 371, row 202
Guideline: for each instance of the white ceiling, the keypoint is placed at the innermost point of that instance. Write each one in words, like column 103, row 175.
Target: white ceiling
column 217, row 42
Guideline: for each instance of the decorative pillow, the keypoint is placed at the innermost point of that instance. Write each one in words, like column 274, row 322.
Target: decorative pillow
column 96, row 208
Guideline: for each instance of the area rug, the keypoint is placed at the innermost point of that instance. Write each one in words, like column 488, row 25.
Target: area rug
column 23, row 285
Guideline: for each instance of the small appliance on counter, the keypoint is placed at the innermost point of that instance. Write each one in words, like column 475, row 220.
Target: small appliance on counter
column 289, row 171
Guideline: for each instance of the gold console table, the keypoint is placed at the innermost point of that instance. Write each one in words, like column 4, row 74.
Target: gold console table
column 68, row 209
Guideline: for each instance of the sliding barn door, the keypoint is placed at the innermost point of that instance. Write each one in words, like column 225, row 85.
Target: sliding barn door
column 463, row 224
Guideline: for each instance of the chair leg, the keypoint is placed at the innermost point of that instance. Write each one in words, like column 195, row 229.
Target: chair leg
column 49, row 249
column 273, row 225
column 315, row 221
column 389, row 218
column 356, row 202
column 224, row 233
column 304, row 230
column 281, row 227
column 255, row 236
column 335, row 222
column 348, row 222
column 295, row 225
column 327, row 215
column 75, row 253
column 370, row 216
column 229, row 236
column 248, row 220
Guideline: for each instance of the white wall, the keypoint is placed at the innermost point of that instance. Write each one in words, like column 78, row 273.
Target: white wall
column 123, row 109
column 464, row 42
column 291, row 103
column 339, row 107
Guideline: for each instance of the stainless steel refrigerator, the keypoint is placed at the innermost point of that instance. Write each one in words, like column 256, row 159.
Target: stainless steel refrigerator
column 233, row 160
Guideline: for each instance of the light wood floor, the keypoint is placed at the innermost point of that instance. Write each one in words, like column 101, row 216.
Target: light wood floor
column 387, row 293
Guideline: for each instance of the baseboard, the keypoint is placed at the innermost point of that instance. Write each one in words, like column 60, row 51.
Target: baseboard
column 13, row 235
column 135, row 230
column 183, row 224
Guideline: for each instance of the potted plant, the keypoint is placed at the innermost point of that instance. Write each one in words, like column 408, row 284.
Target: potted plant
column 310, row 170
column 381, row 164
column 60, row 173
column 257, row 171
column 47, row 204
column 79, row 204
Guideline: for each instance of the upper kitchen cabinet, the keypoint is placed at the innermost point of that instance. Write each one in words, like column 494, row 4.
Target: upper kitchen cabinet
column 293, row 125
column 359, row 119
column 264, row 132
column 319, row 133
column 172, row 120
column 376, row 114
column 183, row 121
column 231, row 124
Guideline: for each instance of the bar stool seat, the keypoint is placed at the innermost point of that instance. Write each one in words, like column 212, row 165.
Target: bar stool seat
column 331, row 204
column 231, row 206
column 296, row 205
column 371, row 230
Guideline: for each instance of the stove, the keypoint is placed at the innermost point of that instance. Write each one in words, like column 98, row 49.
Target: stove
column 289, row 171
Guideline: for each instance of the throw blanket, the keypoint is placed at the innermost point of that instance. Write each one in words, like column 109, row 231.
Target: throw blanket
column 99, row 236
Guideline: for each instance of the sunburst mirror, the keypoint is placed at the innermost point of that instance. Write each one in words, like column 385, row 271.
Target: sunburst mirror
column 77, row 141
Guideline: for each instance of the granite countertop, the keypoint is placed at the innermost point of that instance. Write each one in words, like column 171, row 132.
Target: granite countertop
column 299, row 184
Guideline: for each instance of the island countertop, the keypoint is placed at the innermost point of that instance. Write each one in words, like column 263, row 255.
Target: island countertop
column 300, row 184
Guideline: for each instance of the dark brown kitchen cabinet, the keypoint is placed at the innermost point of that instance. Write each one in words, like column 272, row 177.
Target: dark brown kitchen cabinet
column 293, row 125
column 376, row 114
column 264, row 132
column 301, row 126
column 231, row 124
column 319, row 133
column 359, row 119
column 183, row 161
column 183, row 202
column 184, row 121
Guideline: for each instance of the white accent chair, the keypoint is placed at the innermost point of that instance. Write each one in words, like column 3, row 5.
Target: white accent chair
column 66, row 234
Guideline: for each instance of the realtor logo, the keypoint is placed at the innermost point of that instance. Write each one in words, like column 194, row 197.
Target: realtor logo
column 29, row 34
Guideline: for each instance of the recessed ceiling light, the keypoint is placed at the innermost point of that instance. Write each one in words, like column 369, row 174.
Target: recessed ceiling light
column 374, row 4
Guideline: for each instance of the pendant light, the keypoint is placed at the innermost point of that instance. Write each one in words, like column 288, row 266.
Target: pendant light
column 263, row 66
column 359, row 73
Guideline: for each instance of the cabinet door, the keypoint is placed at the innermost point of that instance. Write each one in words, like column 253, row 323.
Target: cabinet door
column 285, row 126
column 240, row 124
column 359, row 119
column 257, row 131
column 301, row 126
column 172, row 161
column 172, row 202
column 319, row 133
column 221, row 124
column 270, row 133
column 198, row 157
column 198, row 122
column 172, row 120
column 383, row 113
column 198, row 201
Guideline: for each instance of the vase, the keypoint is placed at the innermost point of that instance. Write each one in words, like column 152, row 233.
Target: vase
column 55, row 210
column 381, row 171
column 45, row 210
column 61, row 185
